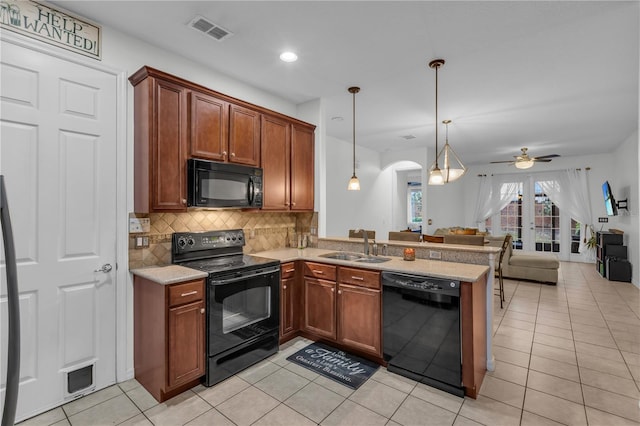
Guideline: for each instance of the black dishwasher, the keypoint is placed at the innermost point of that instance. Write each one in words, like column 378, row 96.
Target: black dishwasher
column 421, row 329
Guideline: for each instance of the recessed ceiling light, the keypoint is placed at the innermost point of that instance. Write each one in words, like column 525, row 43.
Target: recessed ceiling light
column 288, row 57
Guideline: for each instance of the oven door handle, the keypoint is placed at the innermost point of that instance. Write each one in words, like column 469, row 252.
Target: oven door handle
column 236, row 279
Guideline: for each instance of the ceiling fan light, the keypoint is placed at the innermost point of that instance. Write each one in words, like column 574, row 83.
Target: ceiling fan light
column 526, row 164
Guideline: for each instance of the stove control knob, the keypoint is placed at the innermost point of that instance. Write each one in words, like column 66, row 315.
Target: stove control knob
column 182, row 242
column 191, row 242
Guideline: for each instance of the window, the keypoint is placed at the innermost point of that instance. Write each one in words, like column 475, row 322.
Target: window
column 575, row 236
column 547, row 222
column 510, row 220
column 414, row 203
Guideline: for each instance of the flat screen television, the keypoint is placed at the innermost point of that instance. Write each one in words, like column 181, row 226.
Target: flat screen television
column 609, row 201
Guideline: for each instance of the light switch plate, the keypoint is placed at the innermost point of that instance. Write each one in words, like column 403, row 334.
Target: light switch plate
column 139, row 225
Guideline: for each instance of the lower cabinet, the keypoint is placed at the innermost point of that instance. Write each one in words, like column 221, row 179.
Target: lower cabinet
column 289, row 301
column 343, row 305
column 169, row 336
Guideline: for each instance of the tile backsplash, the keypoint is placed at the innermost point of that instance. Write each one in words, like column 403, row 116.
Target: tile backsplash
column 263, row 231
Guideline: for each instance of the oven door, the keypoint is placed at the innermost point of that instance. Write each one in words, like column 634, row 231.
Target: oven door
column 242, row 307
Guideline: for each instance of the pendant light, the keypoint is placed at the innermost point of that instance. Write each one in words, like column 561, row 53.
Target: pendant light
column 448, row 173
column 354, row 183
column 453, row 167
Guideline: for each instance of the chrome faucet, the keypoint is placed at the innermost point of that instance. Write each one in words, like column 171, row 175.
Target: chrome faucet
column 366, row 240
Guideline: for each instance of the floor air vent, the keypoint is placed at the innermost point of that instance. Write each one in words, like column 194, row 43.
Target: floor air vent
column 209, row 28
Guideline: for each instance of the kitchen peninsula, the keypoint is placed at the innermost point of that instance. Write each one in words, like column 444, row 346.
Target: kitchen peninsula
column 348, row 293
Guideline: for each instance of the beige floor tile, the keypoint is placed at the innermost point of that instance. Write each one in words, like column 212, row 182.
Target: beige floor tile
column 554, row 353
column 211, row 417
column 554, row 331
column 315, row 402
column 631, row 358
column 44, row 419
column 258, row 371
column 396, row 381
column 510, row 342
column 554, row 385
column 611, row 354
column 139, row 420
column 281, row 384
column 128, row 385
column 556, row 342
column 554, row 323
column 490, row 412
column 334, row 386
column 601, row 418
column 520, row 316
column 522, row 325
column 603, row 365
column 588, row 320
column 112, row 411
column 555, row 368
column 378, row 397
column 437, row 397
column 554, row 408
column 509, row 372
column 530, row 419
column 502, row 391
column 511, row 356
column 178, row 410
column 351, row 414
column 463, row 421
column 595, row 339
column 247, row 406
column 609, row 383
column 612, row 403
column 627, row 346
column 301, row 371
column 142, row 398
column 283, row 416
column 281, row 357
column 217, row 394
column 92, row 399
column 518, row 333
column 414, row 411
column 559, row 316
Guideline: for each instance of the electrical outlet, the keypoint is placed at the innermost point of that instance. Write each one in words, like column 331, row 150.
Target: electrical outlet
column 141, row 242
column 139, row 224
column 603, row 219
column 435, row 254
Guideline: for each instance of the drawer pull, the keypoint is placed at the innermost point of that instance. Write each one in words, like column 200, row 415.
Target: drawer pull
column 315, row 271
column 189, row 293
column 357, row 278
column 290, row 270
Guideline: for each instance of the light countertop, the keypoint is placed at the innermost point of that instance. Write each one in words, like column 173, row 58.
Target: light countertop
column 435, row 246
column 169, row 274
column 433, row 268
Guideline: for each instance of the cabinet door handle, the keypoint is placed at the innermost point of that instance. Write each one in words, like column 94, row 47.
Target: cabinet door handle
column 357, row 278
column 339, row 291
column 284, row 287
column 290, row 270
column 224, row 153
column 184, row 201
column 293, row 203
column 318, row 272
column 202, row 310
column 233, row 154
column 333, row 290
column 189, row 293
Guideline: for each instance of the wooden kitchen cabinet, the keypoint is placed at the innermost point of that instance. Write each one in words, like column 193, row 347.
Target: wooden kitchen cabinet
column 160, row 148
column 169, row 336
column 289, row 301
column 209, row 127
column 287, row 163
column 353, row 316
column 359, row 310
column 244, row 136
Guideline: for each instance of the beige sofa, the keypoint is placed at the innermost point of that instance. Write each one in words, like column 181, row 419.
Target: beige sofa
column 526, row 265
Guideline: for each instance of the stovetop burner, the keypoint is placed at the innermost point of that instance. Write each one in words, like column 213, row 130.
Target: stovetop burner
column 214, row 251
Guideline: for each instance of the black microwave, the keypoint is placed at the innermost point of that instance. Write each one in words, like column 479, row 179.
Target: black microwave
column 211, row 184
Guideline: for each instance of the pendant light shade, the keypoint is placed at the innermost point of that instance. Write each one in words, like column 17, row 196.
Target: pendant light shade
column 354, row 183
column 452, row 167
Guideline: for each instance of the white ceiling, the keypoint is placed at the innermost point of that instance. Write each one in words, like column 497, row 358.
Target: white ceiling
column 557, row 77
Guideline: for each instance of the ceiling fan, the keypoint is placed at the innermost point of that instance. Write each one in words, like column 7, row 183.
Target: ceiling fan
column 523, row 161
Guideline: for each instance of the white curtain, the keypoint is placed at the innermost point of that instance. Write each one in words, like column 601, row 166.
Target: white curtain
column 495, row 193
column 569, row 190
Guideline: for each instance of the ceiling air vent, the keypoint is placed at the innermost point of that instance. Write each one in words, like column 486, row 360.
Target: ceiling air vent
column 209, row 28
column 408, row 137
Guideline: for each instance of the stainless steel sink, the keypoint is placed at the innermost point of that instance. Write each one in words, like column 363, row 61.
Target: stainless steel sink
column 355, row 257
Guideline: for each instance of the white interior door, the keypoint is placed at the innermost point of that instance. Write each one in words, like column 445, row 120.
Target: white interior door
column 58, row 155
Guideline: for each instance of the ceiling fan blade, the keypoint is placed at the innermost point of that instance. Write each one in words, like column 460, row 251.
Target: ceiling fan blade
column 541, row 160
column 508, row 161
column 545, row 156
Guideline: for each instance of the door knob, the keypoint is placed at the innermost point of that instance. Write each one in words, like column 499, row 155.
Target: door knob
column 105, row 268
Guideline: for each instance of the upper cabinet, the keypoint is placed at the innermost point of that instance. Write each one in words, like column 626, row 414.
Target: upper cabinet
column 287, row 163
column 176, row 120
